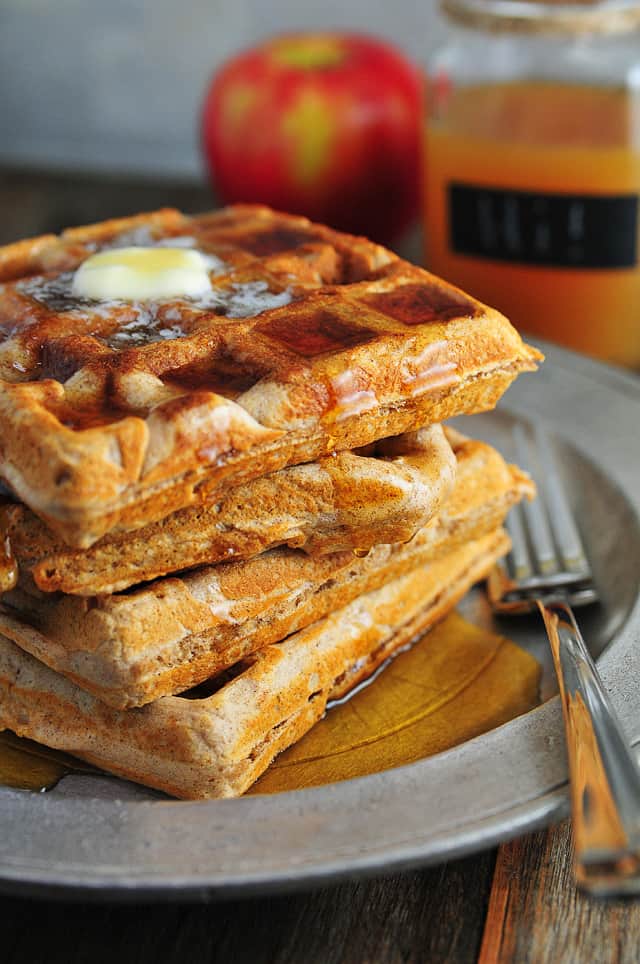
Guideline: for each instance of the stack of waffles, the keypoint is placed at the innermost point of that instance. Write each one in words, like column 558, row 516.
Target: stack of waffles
column 223, row 511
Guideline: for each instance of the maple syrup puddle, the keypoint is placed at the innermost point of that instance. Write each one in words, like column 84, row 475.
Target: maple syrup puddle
column 454, row 683
column 25, row 765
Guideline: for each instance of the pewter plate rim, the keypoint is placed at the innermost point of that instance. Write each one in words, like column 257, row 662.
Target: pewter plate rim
column 499, row 785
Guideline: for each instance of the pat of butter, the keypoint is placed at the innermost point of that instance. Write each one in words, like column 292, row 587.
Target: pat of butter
column 142, row 274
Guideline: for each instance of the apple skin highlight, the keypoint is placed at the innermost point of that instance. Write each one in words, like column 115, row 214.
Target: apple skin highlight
column 324, row 125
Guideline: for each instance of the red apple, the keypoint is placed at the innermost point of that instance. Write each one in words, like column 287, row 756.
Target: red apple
column 326, row 125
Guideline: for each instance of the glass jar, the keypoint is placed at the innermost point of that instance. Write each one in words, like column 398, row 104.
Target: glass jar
column 532, row 166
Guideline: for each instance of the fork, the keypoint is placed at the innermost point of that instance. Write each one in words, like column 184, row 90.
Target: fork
column 548, row 569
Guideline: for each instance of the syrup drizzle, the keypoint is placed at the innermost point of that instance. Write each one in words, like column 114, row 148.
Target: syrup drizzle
column 417, row 304
column 28, row 766
column 316, row 332
column 8, row 562
column 25, row 765
column 145, row 320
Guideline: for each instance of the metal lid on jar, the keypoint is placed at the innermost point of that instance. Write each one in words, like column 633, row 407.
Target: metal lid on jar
column 546, row 16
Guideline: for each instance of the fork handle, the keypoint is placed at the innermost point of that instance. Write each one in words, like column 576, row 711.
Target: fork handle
column 605, row 779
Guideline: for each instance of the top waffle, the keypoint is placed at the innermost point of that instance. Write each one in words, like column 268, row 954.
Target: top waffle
column 116, row 414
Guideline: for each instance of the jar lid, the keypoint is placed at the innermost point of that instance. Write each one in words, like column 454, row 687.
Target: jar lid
column 543, row 16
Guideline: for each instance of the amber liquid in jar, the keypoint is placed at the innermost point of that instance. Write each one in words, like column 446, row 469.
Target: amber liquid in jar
column 531, row 203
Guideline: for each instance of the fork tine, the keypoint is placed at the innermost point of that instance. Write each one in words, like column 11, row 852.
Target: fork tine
column 547, row 559
column 564, row 528
column 535, row 517
column 519, row 557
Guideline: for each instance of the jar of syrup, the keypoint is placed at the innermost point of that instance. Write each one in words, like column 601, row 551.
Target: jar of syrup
column 532, row 166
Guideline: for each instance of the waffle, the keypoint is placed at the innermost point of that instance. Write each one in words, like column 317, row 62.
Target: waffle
column 116, row 415
column 162, row 638
column 215, row 741
column 343, row 501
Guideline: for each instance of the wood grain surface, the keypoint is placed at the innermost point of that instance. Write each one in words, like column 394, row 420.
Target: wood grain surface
column 536, row 914
column 436, row 915
column 520, row 907
column 33, row 203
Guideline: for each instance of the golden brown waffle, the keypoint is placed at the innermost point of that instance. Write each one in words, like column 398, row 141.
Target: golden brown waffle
column 162, row 638
column 115, row 415
column 348, row 500
column 215, row 741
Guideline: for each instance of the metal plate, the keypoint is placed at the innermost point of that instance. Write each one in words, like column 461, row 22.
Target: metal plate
column 105, row 838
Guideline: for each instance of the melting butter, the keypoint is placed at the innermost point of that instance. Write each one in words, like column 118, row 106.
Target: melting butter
column 142, row 274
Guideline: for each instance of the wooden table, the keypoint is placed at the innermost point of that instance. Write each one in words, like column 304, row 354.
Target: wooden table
column 518, row 905
column 515, row 904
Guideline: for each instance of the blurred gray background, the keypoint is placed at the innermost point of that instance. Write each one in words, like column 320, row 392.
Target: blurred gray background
column 116, row 86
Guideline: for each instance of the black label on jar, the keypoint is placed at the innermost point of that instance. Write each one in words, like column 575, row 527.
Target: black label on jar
column 559, row 230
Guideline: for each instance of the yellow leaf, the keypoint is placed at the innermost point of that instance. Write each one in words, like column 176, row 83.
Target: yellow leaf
column 26, row 765
column 458, row 681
